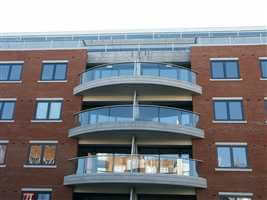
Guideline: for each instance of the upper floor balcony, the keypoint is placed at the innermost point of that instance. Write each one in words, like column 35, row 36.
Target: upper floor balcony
column 135, row 169
column 143, row 77
column 136, row 120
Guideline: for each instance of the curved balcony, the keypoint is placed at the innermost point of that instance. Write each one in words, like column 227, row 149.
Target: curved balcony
column 139, row 121
column 146, row 78
column 135, row 169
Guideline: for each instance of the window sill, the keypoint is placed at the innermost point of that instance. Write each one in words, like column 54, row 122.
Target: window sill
column 46, row 121
column 230, row 122
column 7, row 121
column 236, row 79
column 2, row 166
column 233, row 169
column 40, row 166
column 10, row 81
column 263, row 79
column 53, row 81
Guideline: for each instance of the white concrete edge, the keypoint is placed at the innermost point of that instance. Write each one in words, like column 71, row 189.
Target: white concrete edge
column 232, row 143
column 55, row 61
column 233, row 170
column 236, row 193
column 45, row 49
column 36, row 189
column 240, row 79
column 4, row 141
column 40, row 166
column 229, row 58
column 263, row 79
column 227, row 98
column 262, row 58
column 43, row 141
column 46, row 121
column 10, row 82
column 48, row 99
column 230, row 122
column 265, row 98
column 7, row 121
column 8, row 99
column 12, row 62
column 63, row 81
column 2, row 166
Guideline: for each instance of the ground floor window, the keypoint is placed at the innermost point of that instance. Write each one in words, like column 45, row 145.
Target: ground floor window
column 234, row 198
column 35, row 195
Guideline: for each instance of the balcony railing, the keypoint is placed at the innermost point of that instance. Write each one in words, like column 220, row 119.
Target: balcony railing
column 131, row 113
column 143, row 69
column 143, row 164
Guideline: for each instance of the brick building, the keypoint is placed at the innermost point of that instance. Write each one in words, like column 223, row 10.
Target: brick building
column 144, row 115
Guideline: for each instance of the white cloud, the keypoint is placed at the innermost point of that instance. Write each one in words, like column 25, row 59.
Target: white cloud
column 79, row 15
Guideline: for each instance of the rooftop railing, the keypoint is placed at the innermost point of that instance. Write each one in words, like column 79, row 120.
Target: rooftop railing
column 142, row 164
column 144, row 69
column 131, row 113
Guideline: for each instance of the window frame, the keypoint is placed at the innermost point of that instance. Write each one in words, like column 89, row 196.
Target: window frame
column 48, row 109
column 5, row 156
column 228, row 109
column 2, row 106
column 261, row 68
column 37, row 192
column 233, row 196
column 42, row 154
column 224, row 69
column 10, row 66
column 54, row 71
column 232, row 156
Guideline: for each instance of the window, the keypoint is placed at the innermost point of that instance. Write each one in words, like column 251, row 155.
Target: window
column 48, row 110
column 232, row 156
column 42, row 154
column 228, row 110
column 226, row 69
column 10, row 72
column 3, row 148
column 34, row 195
column 263, row 64
column 54, row 72
column 7, row 110
column 227, row 197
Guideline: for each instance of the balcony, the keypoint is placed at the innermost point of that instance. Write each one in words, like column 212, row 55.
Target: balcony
column 135, row 170
column 146, row 78
column 139, row 121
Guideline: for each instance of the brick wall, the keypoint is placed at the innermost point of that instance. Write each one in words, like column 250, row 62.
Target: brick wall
column 15, row 176
column 253, row 90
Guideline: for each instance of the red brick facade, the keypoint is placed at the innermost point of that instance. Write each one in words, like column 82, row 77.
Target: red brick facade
column 14, row 176
column 253, row 90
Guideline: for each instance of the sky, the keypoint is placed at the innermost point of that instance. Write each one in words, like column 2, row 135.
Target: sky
column 92, row 15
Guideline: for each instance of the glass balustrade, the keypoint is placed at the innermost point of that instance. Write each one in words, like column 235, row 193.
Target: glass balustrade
column 128, row 113
column 143, row 164
column 166, row 71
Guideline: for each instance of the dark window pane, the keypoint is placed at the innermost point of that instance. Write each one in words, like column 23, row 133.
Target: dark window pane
column 35, row 154
column 240, row 157
column 42, row 109
column 231, row 69
column 265, row 109
column 220, row 110
column 55, row 110
column 48, row 70
column 60, row 73
column 217, row 70
column 264, row 69
column 2, row 153
column 15, row 72
column 235, row 109
column 224, row 157
column 7, row 110
column 43, row 196
column 4, row 70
